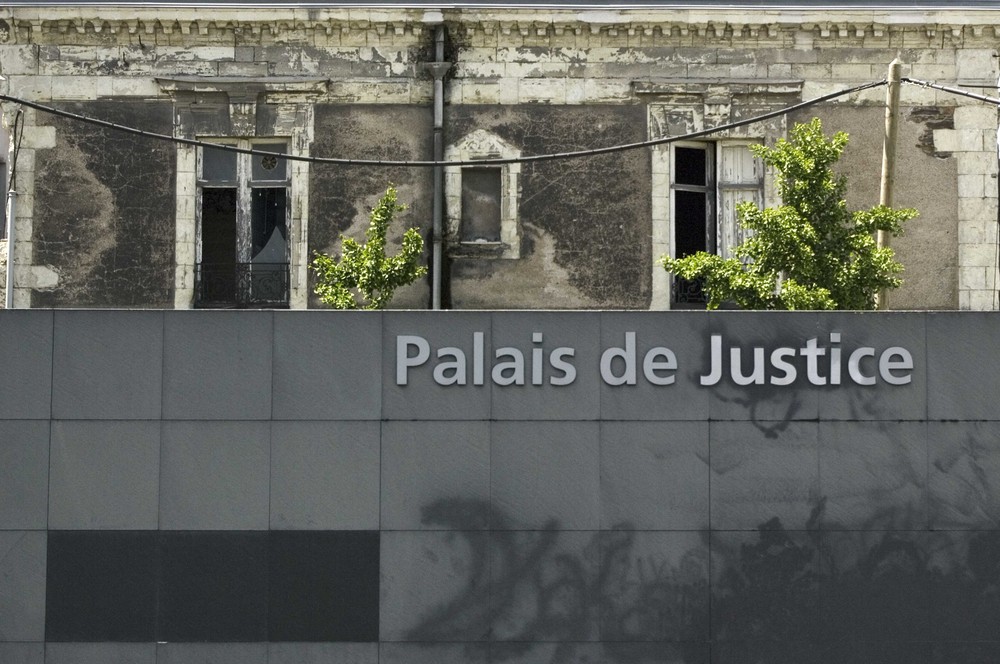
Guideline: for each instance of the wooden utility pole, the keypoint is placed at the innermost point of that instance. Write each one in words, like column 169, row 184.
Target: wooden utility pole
column 889, row 157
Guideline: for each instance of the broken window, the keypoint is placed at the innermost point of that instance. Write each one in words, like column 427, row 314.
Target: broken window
column 708, row 181
column 243, row 230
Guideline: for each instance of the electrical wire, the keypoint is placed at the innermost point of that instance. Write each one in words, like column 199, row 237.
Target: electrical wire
column 955, row 91
column 430, row 164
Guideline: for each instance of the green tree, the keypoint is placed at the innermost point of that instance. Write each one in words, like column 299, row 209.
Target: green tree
column 364, row 277
column 811, row 252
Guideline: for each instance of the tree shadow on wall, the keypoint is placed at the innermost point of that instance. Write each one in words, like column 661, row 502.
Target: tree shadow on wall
column 816, row 596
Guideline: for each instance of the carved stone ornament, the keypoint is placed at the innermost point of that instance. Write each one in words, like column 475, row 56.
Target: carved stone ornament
column 243, row 119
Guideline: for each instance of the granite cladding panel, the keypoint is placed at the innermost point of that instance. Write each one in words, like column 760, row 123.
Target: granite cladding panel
column 95, row 361
column 24, row 472
column 217, row 365
column 104, row 475
column 323, row 372
column 435, row 475
column 867, row 532
column 22, row 585
column 962, row 374
column 324, row 476
column 26, row 382
column 107, row 586
column 214, row 476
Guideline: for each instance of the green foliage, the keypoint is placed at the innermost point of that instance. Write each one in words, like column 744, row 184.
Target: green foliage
column 811, row 252
column 364, row 277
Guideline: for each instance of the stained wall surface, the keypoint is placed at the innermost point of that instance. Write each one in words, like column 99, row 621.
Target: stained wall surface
column 187, row 487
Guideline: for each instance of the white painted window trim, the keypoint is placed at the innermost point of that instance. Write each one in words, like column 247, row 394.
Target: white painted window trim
column 663, row 205
column 479, row 145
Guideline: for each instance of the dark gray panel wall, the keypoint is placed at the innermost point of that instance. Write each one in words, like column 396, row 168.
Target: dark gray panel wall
column 493, row 522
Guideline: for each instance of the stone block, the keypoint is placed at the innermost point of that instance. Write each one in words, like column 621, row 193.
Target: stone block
column 22, row 585
column 656, row 589
column 211, row 653
column 104, row 474
column 946, row 140
column 100, row 653
column 26, row 382
column 24, row 653
column 525, row 567
column 976, row 64
column 435, row 475
column 545, row 475
column 421, row 397
column 873, row 475
column 214, row 476
column 548, row 399
column 308, row 358
column 976, row 117
column 24, row 474
column 764, row 472
column 212, row 587
column 324, row 476
column 217, row 366
column 654, row 475
column 96, row 356
column 425, row 573
column 322, row 653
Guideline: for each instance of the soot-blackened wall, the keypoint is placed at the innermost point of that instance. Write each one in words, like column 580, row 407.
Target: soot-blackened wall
column 261, row 487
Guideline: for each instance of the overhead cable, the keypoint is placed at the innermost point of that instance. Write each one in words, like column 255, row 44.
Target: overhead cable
column 954, row 91
column 663, row 140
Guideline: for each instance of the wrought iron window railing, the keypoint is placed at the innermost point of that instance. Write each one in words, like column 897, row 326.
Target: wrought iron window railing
column 241, row 285
column 689, row 294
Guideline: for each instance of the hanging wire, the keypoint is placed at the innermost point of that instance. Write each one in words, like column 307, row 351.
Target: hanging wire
column 17, row 133
column 955, row 91
column 430, row 164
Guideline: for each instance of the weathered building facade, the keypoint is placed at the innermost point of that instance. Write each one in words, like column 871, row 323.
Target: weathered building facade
column 110, row 219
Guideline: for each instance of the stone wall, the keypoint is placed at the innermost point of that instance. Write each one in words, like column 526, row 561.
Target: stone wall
column 267, row 489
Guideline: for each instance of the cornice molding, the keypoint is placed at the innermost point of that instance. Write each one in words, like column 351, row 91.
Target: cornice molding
column 712, row 24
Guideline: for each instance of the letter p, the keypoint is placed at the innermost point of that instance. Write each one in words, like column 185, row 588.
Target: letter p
column 403, row 358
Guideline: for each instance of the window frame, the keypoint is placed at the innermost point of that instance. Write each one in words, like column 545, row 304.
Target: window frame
column 244, row 185
column 722, row 229
column 481, row 145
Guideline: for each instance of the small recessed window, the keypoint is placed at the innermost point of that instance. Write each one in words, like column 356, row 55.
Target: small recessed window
column 481, row 198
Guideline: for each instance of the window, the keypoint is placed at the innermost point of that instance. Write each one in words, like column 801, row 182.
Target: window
column 707, row 182
column 481, row 203
column 243, row 230
column 482, row 200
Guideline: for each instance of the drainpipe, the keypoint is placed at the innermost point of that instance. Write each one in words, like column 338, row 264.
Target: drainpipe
column 438, row 69
column 11, row 210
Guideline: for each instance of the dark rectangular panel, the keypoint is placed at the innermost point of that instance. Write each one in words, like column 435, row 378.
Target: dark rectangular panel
column 100, row 586
column 213, row 587
column 324, row 586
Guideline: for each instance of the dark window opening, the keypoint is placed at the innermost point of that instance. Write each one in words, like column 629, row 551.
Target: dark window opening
column 481, row 198
column 244, row 228
column 218, row 245
column 693, row 216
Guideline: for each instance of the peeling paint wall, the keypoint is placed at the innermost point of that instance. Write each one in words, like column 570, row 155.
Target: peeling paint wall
column 588, row 216
column 342, row 196
column 103, row 215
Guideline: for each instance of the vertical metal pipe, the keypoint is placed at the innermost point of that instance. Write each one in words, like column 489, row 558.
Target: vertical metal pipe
column 889, row 157
column 438, row 204
column 11, row 212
